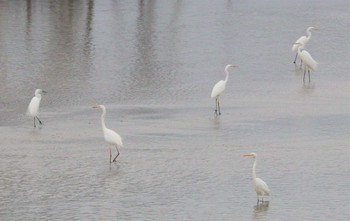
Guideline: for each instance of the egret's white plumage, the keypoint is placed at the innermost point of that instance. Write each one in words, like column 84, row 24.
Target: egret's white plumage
column 303, row 40
column 309, row 63
column 33, row 107
column 261, row 187
column 219, row 87
column 111, row 137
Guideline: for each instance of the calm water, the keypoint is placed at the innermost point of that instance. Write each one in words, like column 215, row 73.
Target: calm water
column 153, row 64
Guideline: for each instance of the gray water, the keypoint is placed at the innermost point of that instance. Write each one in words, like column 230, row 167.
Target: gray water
column 153, row 64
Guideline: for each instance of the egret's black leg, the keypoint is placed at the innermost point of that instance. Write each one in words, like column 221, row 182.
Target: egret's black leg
column 216, row 106
column 34, row 123
column 219, row 107
column 117, row 154
column 39, row 120
column 295, row 59
column 309, row 76
column 304, row 76
column 110, row 154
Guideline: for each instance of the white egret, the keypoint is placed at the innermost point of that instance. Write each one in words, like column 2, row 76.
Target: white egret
column 309, row 62
column 33, row 107
column 303, row 40
column 219, row 88
column 111, row 137
column 261, row 187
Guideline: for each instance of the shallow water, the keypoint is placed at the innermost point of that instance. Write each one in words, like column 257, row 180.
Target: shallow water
column 153, row 64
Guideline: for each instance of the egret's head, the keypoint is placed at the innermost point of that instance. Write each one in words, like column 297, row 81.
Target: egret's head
column 40, row 91
column 100, row 106
column 231, row 66
column 250, row 155
column 313, row 29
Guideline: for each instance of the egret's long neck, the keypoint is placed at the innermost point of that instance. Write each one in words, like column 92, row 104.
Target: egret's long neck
column 38, row 96
column 254, row 174
column 227, row 73
column 308, row 32
column 299, row 50
column 103, row 119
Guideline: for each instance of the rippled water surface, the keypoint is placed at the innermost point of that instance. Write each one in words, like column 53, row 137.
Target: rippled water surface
column 153, row 64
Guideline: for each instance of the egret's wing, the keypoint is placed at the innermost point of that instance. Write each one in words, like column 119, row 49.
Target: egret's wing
column 302, row 40
column 262, row 187
column 218, row 89
column 112, row 137
column 308, row 60
column 33, row 107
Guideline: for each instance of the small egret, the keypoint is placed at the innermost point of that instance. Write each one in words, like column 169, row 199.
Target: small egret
column 309, row 62
column 303, row 40
column 219, row 88
column 111, row 137
column 33, row 107
column 261, row 187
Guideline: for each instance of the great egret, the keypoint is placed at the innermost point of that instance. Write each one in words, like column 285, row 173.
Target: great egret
column 111, row 137
column 261, row 187
column 303, row 40
column 33, row 107
column 309, row 62
column 219, row 88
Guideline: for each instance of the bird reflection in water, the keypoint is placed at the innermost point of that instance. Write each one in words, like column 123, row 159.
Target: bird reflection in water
column 307, row 88
column 260, row 211
column 217, row 123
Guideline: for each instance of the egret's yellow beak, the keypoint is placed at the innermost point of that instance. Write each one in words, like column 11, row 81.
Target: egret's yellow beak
column 248, row 155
